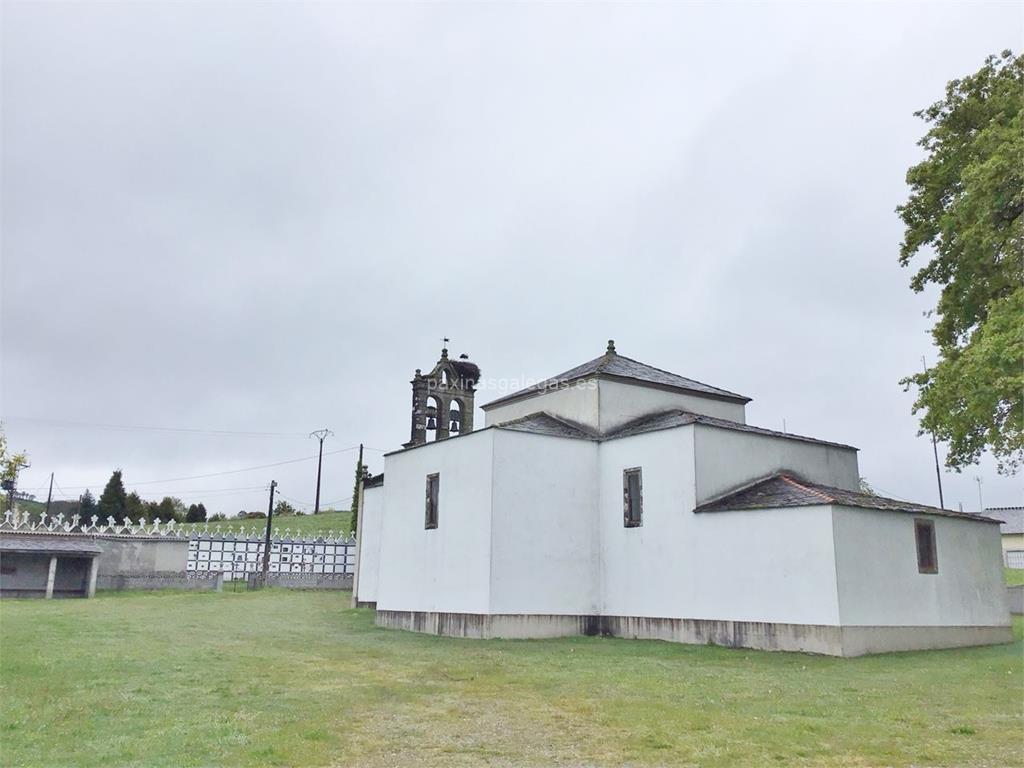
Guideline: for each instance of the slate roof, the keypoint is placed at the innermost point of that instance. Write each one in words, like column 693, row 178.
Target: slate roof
column 545, row 424
column 787, row 489
column 48, row 545
column 1012, row 517
column 614, row 365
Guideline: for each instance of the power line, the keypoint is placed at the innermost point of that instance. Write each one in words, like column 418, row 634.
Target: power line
column 62, row 491
column 890, row 494
column 135, row 427
column 218, row 474
column 294, row 501
column 347, row 500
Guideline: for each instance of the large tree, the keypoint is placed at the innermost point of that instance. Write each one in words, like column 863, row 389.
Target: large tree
column 134, row 507
column 964, row 216
column 196, row 513
column 10, row 463
column 169, row 508
column 113, row 500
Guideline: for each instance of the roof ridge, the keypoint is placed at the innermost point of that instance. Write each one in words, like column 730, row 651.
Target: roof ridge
column 745, row 487
column 582, row 431
column 714, row 421
column 672, row 373
column 569, row 423
column 788, row 479
column 519, row 419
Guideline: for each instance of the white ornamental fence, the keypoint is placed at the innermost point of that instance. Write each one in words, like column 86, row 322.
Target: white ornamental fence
column 211, row 550
column 23, row 522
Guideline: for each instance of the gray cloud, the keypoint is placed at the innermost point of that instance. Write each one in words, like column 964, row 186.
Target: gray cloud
column 263, row 217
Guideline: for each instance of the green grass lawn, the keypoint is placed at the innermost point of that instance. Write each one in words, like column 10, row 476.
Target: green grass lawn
column 303, row 524
column 1014, row 576
column 297, row 678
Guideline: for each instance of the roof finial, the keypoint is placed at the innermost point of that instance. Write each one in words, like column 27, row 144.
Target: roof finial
column 611, row 347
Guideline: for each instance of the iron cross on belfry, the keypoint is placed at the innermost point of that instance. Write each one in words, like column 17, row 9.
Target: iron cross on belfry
column 444, row 342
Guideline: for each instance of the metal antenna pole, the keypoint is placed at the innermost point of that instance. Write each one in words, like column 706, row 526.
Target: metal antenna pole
column 981, row 504
column 935, row 450
column 321, row 435
column 49, row 496
column 266, row 540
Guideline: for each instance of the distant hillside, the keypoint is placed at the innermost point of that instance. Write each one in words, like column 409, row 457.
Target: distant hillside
column 304, row 524
column 35, row 507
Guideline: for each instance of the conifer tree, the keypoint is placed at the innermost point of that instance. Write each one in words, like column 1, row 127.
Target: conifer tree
column 86, row 508
column 360, row 471
column 113, row 501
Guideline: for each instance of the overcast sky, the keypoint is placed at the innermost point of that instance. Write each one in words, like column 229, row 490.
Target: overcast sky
column 262, row 218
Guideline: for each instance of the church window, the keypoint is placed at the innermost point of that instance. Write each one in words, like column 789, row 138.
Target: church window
column 924, row 533
column 632, row 498
column 433, row 483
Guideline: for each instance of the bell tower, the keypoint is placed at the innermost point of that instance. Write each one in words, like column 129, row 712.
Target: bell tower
column 442, row 400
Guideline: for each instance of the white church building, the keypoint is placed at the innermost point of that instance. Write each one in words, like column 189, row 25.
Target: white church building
column 617, row 498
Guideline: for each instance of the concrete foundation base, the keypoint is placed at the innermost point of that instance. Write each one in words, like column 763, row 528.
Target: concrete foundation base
column 768, row 636
column 858, row 641
column 152, row 581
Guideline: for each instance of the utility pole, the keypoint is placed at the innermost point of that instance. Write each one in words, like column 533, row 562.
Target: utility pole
column 935, row 450
column 321, row 435
column 266, row 540
column 357, row 499
column 981, row 504
column 49, row 496
column 357, row 503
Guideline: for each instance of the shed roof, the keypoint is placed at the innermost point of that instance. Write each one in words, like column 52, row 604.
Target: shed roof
column 1012, row 517
column 543, row 423
column 787, row 489
column 57, row 545
column 615, row 366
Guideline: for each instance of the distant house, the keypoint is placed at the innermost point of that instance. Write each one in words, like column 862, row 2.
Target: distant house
column 1012, row 530
column 621, row 499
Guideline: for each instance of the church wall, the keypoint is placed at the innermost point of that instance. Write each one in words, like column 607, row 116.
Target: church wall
column 622, row 403
column 447, row 568
column 879, row 582
column 576, row 402
column 766, row 566
column 726, row 459
column 639, row 573
column 543, row 537
column 370, row 524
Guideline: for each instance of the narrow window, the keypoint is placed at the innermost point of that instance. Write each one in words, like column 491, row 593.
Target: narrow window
column 433, row 481
column 632, row 498
column 924, row 532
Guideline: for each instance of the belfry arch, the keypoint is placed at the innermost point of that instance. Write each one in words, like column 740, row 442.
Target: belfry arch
column 442, row 400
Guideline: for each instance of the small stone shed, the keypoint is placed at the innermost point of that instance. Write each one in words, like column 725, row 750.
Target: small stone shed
column 47, row 566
